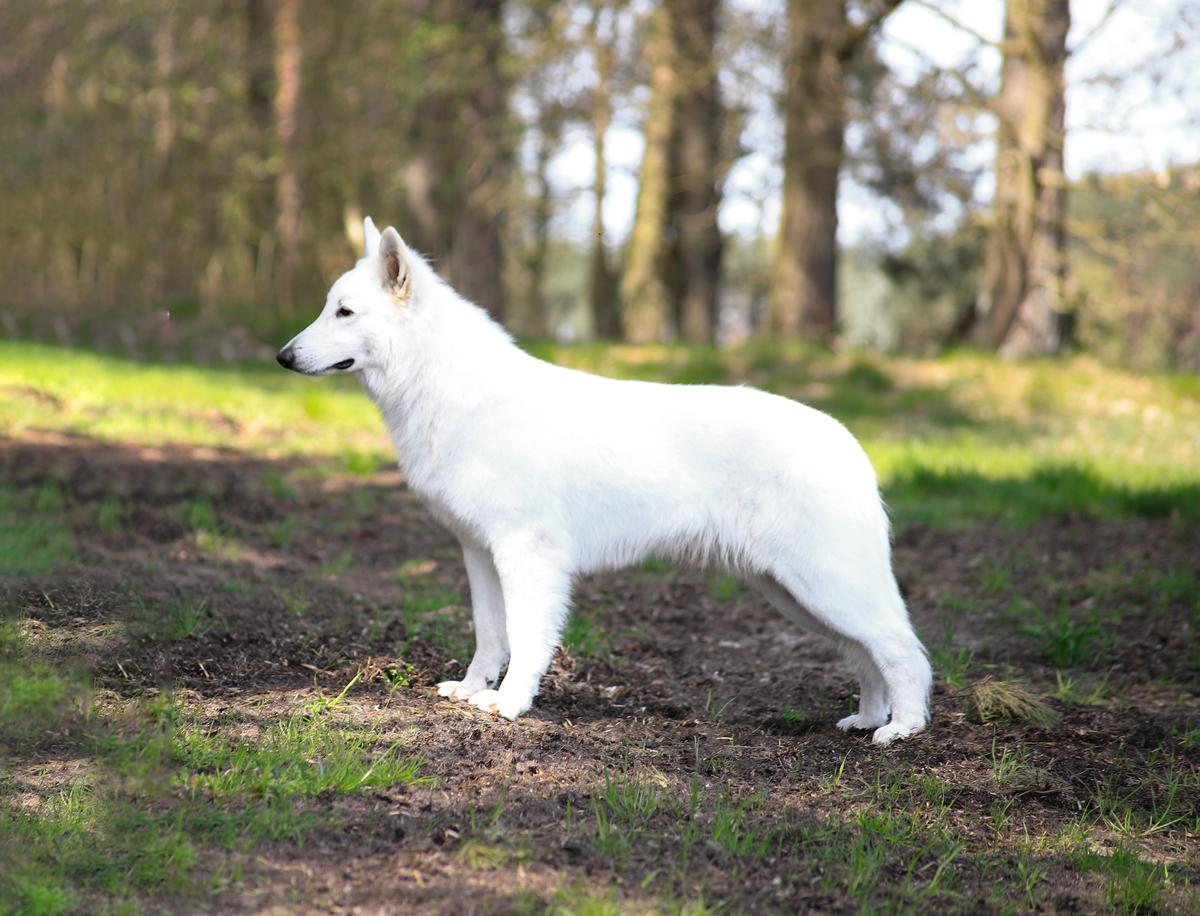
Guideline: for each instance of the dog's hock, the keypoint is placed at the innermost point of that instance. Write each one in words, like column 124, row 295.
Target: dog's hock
column 393, row 264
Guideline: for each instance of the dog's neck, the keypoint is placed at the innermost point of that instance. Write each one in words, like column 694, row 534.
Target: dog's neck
column 445, row 363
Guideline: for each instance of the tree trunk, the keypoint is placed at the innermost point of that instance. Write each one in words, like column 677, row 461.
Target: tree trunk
column 537, row 320
column 696, row 246
column 644, row 290
column 477, row 252
column 286, row 110
column 606, row 317
column 804, row 276
column 1021, row 299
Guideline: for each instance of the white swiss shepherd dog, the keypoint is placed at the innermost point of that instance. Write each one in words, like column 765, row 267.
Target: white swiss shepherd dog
column 545, row 474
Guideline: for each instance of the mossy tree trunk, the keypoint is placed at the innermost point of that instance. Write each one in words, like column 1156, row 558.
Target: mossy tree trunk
column 644, row 288
column 1020, row 306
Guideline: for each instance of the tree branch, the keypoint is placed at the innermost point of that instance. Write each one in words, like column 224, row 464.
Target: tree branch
column 856, row 35
column 1113, row 6
column 958, row 24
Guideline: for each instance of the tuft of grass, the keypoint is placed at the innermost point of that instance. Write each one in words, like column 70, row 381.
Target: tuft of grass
column 1069, row 690
column 1065, row 642
column 954, row 665
column 583, row 636
column 735, row 830
column 1009, row 764
column 1131, row 884
column 995, row 701
column 34, row 538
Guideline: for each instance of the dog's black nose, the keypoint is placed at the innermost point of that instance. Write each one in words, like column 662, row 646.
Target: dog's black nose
column 286, row 357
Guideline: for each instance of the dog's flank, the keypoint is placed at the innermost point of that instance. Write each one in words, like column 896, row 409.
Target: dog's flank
column 546, row 473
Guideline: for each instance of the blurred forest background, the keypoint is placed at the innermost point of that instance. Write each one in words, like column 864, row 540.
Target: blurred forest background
column 186, row 178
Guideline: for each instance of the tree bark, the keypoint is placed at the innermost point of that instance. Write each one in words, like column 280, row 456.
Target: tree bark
column 804, row 275
column 286, row 108
column 477, row 252
column 696, row 247
column 644, row 290
column 606, row 316
column 1020, row 304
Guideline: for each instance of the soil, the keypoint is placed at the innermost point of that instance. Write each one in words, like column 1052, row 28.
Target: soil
column 684, row 678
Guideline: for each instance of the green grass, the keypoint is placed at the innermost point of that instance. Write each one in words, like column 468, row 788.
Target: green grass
column 259, row 408
column 955, row 439
column 34, row 538
column 156, row 796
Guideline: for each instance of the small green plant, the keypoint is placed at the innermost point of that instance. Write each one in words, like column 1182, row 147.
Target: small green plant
column 715, row 709
column 1131, row 885
column 398, row 676
column 1070, row 690
column 735, row 830
column 954, row 665
column 187, row 619
column 724, row 588
column 283, row 532
column 294, row 600
column 1063, row 641
column 201, row 517
column 1009, row 764
column 583, row 636
column 794, row 715
column 108, row 514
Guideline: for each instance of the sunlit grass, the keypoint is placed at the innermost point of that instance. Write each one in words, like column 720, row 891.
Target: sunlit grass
column 954, row 439
column 260, row 409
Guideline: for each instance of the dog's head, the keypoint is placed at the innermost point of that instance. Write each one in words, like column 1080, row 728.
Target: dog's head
column 361, row 312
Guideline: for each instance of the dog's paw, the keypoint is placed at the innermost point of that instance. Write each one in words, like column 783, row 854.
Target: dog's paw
column 859, row 722
column 495, row 702
column 893, row 730
column 456, row 690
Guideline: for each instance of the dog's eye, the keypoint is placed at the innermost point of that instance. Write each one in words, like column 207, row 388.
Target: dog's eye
column 343, row 312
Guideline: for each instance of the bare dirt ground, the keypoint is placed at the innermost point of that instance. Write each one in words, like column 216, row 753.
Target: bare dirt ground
column 682, row 754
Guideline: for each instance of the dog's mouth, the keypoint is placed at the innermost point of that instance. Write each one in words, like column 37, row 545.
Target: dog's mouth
column 340, row 366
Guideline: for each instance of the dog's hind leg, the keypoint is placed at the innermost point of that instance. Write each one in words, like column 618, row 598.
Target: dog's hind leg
column 872, row 703
column 491, row 639
column 865, row 614
column 536, row 591
column 872, row 693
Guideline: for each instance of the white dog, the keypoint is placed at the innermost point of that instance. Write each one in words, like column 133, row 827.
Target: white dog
column 545, row 474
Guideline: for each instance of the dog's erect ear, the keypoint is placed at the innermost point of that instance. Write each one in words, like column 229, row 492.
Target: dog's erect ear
column 370, row 237
column 393, row 263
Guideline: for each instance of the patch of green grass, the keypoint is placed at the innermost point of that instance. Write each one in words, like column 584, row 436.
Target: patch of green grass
column 1064, row 641
column 34, row 537
column 177, row 620
column 1131, row 885
column 109, row 514
column 280, row 534
column 118, row 399
column 164, row 785
column 583, row 635
column 622, row 809
column 724, row 588
column 735, row 829
column 1071, row 690
column 954, row 665
column 433, row 614
column 715, row 708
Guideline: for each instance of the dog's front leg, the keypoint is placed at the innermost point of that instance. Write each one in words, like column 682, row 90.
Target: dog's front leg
column 491, row 640
column 536, row 582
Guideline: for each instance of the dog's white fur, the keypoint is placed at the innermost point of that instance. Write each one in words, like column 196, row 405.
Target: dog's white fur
column 546, row 473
